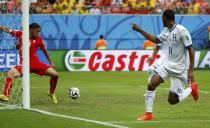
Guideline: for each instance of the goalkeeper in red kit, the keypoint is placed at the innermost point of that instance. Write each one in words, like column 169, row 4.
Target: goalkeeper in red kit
column 36, row 66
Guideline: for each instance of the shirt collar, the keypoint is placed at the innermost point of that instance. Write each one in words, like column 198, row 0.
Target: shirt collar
column 170, row 30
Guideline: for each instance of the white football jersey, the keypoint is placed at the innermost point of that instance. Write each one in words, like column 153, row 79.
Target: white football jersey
column 174, row 48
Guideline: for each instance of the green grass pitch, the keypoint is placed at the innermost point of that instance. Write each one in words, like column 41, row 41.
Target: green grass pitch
column 115, row 97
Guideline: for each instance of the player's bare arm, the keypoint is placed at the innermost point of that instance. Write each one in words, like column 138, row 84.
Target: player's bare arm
column 48, row 57
column 5, row 29
column 155, row 51
column 191, row 67
column 145, row 34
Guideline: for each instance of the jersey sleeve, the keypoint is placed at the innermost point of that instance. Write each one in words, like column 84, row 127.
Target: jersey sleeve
column 158, row 45
column 16, row 33
column 186, row 38
column 162, row 37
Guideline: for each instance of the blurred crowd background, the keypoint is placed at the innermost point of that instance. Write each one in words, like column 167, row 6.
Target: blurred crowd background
column 97, row 7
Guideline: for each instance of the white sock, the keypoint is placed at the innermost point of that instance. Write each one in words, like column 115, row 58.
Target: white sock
column 149, row 99
column 185, row 94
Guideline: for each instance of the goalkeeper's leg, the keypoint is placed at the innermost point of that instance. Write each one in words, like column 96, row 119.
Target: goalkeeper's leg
column 53, row 83
column 47, row 70
column 14, row 72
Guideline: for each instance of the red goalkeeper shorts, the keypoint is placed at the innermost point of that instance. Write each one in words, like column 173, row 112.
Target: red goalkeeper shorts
column 36, row 67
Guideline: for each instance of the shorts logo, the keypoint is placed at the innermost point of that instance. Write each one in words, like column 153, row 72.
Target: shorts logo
column 75, row 60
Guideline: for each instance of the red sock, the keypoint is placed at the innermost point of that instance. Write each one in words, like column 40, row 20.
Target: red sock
column 7, row 86
column 53, row 83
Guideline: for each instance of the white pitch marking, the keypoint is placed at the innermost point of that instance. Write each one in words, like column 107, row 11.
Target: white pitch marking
column 110, row 124
column 204, row 92
column 158, row 121
column 62, row 116
column 78, row 118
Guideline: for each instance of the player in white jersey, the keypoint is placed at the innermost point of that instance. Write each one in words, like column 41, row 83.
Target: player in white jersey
column 177, row 63
column 151, row 69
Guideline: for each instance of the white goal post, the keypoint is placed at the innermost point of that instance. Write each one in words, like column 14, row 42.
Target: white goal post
column 25, row 48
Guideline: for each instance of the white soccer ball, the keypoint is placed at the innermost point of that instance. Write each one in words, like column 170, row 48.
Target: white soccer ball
column 74, row 93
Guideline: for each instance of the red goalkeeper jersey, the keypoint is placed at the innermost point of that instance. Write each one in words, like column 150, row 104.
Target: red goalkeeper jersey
column 34, row 45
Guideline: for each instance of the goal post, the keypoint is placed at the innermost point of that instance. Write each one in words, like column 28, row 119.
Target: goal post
column 14, row 15
column 25, row 48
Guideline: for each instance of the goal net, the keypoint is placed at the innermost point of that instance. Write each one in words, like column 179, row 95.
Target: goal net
column 10, row 17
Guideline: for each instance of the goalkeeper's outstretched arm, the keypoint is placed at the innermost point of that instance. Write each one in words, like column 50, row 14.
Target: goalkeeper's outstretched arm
column 48, row 57
column 42, row 47
column 145, row 34
column 5, row 29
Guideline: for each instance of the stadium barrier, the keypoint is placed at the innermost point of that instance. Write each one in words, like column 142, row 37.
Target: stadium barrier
column 73, row 32
column 120, row 60
column 8, row 59
column 107, row 60
column 94, row 60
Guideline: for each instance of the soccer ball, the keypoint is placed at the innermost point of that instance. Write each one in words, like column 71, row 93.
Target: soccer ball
column 74, row 93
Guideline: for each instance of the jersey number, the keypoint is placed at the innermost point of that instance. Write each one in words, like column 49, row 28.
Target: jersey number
column 170, row 52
